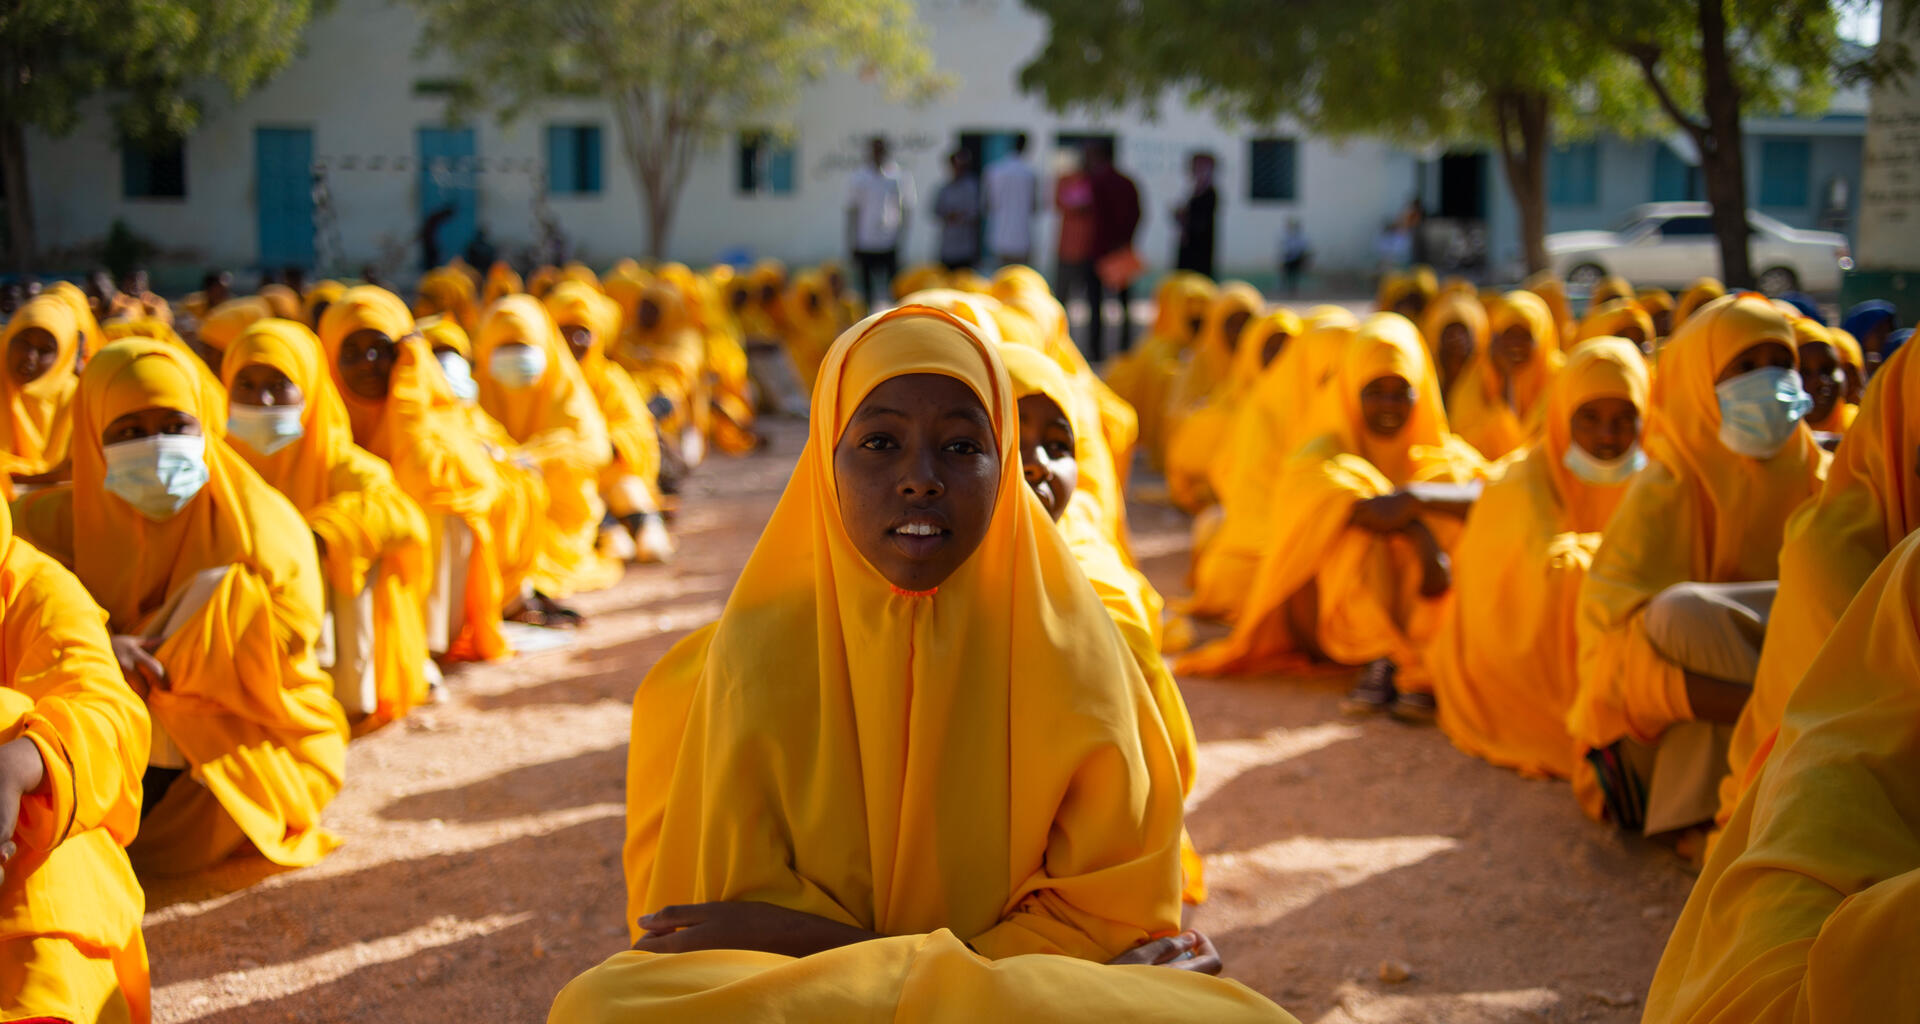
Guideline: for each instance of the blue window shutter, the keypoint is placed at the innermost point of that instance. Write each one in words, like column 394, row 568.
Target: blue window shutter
column 780, row 169
column 1673, row 179
column 1786, row 173
column 1573, row 175
column 560, row 160
column 133, row 171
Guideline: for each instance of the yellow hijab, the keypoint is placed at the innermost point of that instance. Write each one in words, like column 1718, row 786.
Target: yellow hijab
column 321, row 295
column 630, row 425
column 1702, row 291
column 1608, row 290
column 227, row 320
column 448, row 290
column 1609, row 319
column 878, row 757
column 1463, row 308
column 501, row 281
column 282, row 300
column 559, row 402
column 1419, row 281
column 302, row 470
column 38, row 428
column 1213, row 357
column 92, row 337
column 1479, row 413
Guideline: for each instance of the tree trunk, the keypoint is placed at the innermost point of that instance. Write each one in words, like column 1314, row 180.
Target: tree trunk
column 1525, row 132
column 13, row 174
column 661, row 202
column 1723, row 158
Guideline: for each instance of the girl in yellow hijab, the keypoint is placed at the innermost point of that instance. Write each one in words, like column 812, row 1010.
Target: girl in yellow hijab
column 1355, row 566
column 907, row 577
column 1675, row 603
column 1806, row 908
column 404, row 410
column 813, row 321
column 501, row 282
column 530, row 383
column 213, row 591
column 1202, row 434
column 1824, row 369
column 1702, row 291
column 1610, row 289
column 1143, row 375
column 727, row 376
column 318, row 298
column 1499, row 405
column 1553, row 292
column 289, row 423
column 449, row 290
column 1505, row 662
column 225, row 322
column 40, row 343
column 1456, row 330
column 588, row 322
column 1208, row 365
column 1659, row 304
column 1408, row 294
column 1869, row 502
column 73, row 746
column 666, row 355
column 92, row 336
column 1620, row 318
column 1271, row 424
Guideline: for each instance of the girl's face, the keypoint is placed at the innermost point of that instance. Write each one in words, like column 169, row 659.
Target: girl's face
column 1270, row 349
column 1606, row 427
column 1662, row 323
column 264, row 385
column 148, row 423
column 917, row 469
column 1633, row 333
column 30, row 354
column 1514, row 346
column 1456, row 347
column 1758, row 356
column 366, row 363
column 1825, row 380
column 1235, row 322
column 1046, row 453
column 1386, row 403
column 579, row 339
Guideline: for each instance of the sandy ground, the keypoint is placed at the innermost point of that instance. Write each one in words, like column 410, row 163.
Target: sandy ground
column 481, row 861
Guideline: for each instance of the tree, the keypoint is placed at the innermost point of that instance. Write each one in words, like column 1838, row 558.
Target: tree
column 1420, row 72
column 151, row 55
column 677, row 72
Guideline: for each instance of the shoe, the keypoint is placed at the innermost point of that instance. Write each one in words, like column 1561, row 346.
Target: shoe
column 1374, row 692
column 1417, row 708
column 653, row 545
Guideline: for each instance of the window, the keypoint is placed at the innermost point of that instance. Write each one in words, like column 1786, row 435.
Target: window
column 1272, row 170
column 1674, row 180
column 1786, row 172
column 153, row 170
column 1687, row 227
column 573, row 159
column 766, row 164
column 1573, row 175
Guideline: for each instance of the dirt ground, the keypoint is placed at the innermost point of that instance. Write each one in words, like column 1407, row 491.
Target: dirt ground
column 480, row 865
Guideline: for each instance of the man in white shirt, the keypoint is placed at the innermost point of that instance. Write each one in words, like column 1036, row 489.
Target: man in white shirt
column 1013, row 194
column 879, row 206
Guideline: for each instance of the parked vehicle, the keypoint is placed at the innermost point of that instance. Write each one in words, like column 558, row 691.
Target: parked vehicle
column 1668, row 245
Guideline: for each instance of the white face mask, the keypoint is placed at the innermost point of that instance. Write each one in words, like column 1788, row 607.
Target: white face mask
column 157, row 474
column 1760, row 410
column 459, row 376
column 517, row 366
column 265, row 428
column 1603, row 472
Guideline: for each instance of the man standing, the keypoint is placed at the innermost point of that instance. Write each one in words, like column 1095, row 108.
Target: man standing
column 1197, row 217
column 1296, row 251
column 1013, row 195
column 879, row 203
column 957, row 207
column 1116, row 216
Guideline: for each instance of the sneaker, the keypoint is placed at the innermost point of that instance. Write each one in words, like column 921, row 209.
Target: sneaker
column 1418, row 708
column 1374, row 692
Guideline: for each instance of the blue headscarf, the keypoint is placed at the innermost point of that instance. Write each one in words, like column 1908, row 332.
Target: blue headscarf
column 1807, row 307
column 1862, row 319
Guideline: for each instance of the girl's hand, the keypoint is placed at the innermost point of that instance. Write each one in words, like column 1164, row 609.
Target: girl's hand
column 757, row 926
column 1188, row 951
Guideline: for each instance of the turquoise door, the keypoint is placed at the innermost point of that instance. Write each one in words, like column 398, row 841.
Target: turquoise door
column 450, row 183
column 283, row 183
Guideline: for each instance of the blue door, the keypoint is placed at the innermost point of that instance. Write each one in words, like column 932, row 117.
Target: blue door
column 283, row 183
column 449, row 187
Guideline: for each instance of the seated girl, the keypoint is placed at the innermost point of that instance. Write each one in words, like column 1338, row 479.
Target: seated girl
column 1355, row 564
column 42, row 344
column 1204, row 382
column 287, row 420
column 486, row 511
column 1824, row 373
column 214, row 595
column 1194, row 451
column 1806, row 908
column 1144, row 374
column 532, row 386
column 1676, row 601
column 793, row 858
column 1456, row 330
column 1499, row 403
column 73, row 745
column 1505, row 664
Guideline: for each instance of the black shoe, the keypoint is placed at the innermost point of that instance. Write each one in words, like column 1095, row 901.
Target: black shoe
column 1374, row 692
column 1417, row 708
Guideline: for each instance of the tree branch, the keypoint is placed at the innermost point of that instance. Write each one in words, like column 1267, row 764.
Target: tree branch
column 1647, row 57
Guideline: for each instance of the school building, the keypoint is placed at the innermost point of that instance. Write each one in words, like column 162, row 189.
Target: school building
column 336, row 163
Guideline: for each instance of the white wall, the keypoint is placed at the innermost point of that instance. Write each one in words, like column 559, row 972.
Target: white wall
column 354, row 88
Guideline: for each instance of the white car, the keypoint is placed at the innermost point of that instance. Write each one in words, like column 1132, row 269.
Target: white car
column 1668, row 245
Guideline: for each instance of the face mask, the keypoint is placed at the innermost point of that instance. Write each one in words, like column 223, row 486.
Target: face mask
column 517, row 366
column 459, row 376
column 266, row 428
column 1760, row 409
column 1603, row 472
column 159, row 474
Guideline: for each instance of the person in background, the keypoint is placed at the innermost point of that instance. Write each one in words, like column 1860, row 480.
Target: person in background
column 957, row 208
column 1198, row 217
column 1296, row 254
column 1013, row 196
column 879, row 202
column 1073, row 253
column 481, row 251
column 1116, row 216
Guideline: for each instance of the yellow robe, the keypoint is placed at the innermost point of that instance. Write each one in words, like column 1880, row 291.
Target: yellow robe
column 70, row 943
column 37, row 429
column 813, row 320
column 1369, row 605
column 1697, row 513
column 1019, row 819
column 1478, row 410
column 449, row 291
column 501, row 281
column 441, row 461
column 1806, row 908
column 669, row 358
column 1458, row 308
column 1143, row 375
column 351, row 502
column 1505, row 662
column 1207, row 381
column 630, row 426
column 1868, row 504
column 557, row 425
column 1702, row 291
column 92, row 336
column 246, row 704
column 725, row 377
column 1553, row 292
column 1846, row 348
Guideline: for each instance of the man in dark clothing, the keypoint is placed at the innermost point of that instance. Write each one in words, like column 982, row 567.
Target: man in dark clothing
column 1116, row 216
column 1197, row 217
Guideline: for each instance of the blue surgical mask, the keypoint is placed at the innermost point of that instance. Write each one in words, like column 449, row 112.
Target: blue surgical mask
column 459, row 376
column 157, row 474
column 1760, row 409
column 1603, row 472
column 266, row 428
column 517, row 366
